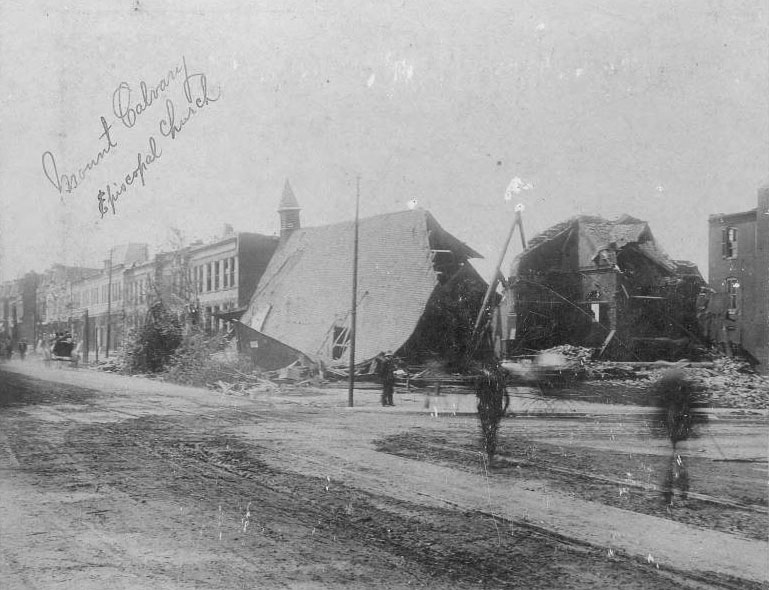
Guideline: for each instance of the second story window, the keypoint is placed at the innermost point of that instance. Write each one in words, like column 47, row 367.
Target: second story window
column 732, row 296
column 729, row 242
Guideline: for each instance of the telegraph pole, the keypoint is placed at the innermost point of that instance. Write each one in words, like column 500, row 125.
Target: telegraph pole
column 353, row 315
column 85, row 337
column 109, row 303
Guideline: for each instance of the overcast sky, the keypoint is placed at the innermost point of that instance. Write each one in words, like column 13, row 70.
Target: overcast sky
column 658, row 109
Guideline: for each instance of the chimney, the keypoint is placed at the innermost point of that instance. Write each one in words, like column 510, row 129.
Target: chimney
column 288, row 209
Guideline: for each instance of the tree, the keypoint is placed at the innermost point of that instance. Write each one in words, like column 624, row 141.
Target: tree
column 493, row 402
column 153, row 344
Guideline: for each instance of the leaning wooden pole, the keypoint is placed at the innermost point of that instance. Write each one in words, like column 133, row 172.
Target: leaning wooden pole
column 353, row 315
column 497, row 269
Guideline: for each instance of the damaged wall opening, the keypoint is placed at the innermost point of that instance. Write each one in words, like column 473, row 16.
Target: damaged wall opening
column 341, row 342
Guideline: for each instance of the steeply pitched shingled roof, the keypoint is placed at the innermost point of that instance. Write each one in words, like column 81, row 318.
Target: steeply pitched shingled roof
column 602, row 234
column 307, row 288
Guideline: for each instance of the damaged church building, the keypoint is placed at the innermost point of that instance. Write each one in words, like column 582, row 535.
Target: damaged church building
column 603, row 284
column 417, row 293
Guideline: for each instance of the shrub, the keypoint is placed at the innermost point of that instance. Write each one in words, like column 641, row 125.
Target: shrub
column 149, row 348
column 194, row 362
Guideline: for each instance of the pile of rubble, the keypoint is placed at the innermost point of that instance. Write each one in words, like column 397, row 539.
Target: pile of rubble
column 731, row 383
column 245, row 387
column 250, row 384
column 728, row 382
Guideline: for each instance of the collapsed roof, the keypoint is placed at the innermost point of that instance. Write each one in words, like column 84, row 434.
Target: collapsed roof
column 304, row 297
column 598, row 235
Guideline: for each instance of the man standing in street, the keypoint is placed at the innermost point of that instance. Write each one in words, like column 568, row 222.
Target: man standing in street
column 387, row 373
column 22, row 348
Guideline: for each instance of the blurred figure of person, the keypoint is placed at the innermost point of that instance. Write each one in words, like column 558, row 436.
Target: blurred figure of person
column 493, row 402
column 76, row 354
column 9, row 349
column 22, row 348
column 679, row 404
column 46, row 344
column 387, row 374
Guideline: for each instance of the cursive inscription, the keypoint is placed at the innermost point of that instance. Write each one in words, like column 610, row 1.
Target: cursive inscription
column 70, row 181
column 108, row 198
column 129, row 106
column 121, row 97
column 198, row 97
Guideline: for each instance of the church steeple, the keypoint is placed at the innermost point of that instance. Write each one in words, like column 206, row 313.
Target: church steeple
column 288, row 209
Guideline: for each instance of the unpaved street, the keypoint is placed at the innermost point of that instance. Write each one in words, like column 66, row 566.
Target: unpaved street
column 117, row 482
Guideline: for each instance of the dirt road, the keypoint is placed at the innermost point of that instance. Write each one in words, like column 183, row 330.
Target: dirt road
column 114, row 482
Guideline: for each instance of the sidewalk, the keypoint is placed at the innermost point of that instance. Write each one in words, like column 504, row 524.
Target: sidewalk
column 524, row 402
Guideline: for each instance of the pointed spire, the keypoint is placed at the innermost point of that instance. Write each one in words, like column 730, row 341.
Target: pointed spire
column 288, row 209
column 288, row 201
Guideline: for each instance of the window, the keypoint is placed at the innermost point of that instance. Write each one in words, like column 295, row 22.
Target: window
column 226, row 273
column 732, row 296
column 729, row 242
column 216, row 275
column 208, row 277
column 341, row 342
column 232, row 272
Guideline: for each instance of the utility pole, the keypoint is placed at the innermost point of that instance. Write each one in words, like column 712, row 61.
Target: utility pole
column 353, row 315
column 483, row 312
column 85, row 337
column 109, row 304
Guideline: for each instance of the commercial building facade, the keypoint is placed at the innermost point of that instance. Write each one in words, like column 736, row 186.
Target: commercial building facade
column 99, row 306
column 735, row 316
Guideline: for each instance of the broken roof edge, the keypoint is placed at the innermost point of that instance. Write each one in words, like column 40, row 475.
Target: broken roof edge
column 687, row 268
column 658, row 257
column 544, row 237
column 431, row 223
column 272, row 339
column 558, row 230
column 446, row 238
